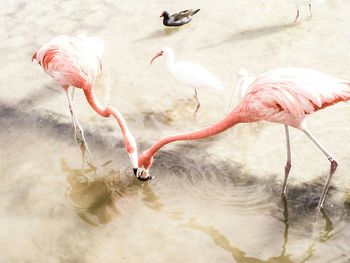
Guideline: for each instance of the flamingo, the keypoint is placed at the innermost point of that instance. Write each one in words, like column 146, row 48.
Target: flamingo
column 76, row 62
column 178, row 19
column 286, row 96
column 189, row 73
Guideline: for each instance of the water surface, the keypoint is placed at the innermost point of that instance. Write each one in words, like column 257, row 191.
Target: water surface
column 217, row 200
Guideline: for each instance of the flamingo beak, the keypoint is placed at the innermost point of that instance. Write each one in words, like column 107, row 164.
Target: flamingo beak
column 144, row 179
column 157, row 55
column 142, row 174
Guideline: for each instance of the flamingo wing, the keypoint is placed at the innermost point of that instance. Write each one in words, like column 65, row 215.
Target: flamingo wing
column 295, row 91
column 70, row 61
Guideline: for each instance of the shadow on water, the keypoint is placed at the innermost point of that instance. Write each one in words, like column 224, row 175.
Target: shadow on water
column 14, row 118
column 250, row 34
column 44, row 94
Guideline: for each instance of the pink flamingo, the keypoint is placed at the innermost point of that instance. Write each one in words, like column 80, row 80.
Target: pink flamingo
column 76, row 62
column 285, row 96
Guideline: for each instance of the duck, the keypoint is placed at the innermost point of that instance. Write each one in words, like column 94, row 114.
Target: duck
column 178, row 19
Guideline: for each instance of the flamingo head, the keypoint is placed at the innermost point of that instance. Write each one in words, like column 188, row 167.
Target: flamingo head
column 144, row 163
column 165, row 51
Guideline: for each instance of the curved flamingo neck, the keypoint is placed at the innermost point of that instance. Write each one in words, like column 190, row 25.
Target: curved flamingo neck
column 129, row 140
column 228, row 121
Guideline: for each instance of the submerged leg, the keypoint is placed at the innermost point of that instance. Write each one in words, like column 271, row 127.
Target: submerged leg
column 289, row 161
column 197, row 100
column 296, row 18
column 79, row 133
column 286, row 224
column 333, row 167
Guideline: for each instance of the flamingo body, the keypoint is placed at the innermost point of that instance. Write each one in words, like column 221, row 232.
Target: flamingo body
column 71, row 61
column 289, row 95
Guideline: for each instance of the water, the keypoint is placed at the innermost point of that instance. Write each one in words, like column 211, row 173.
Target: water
column 217, row 200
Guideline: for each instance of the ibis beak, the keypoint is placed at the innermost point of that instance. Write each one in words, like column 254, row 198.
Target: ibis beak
column 157, row 55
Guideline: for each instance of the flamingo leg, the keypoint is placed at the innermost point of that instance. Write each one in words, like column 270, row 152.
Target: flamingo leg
column 74, row 117
column 72, row 94
column 79, row 133
column 197, row 100
column 296, row 18
column 289, row 161
column 286, row 223
column 333, row 167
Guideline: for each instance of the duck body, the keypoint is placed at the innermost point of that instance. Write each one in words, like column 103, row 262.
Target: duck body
column 178, row 19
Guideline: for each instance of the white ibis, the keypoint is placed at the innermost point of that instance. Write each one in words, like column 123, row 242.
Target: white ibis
column 178, row 19
column 189, row 73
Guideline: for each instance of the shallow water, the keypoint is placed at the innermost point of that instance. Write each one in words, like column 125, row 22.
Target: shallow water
column 217, row 200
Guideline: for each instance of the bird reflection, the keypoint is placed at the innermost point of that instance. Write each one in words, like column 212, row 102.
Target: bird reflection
column 98, row 200
column 240, row 256
column 170, row 30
